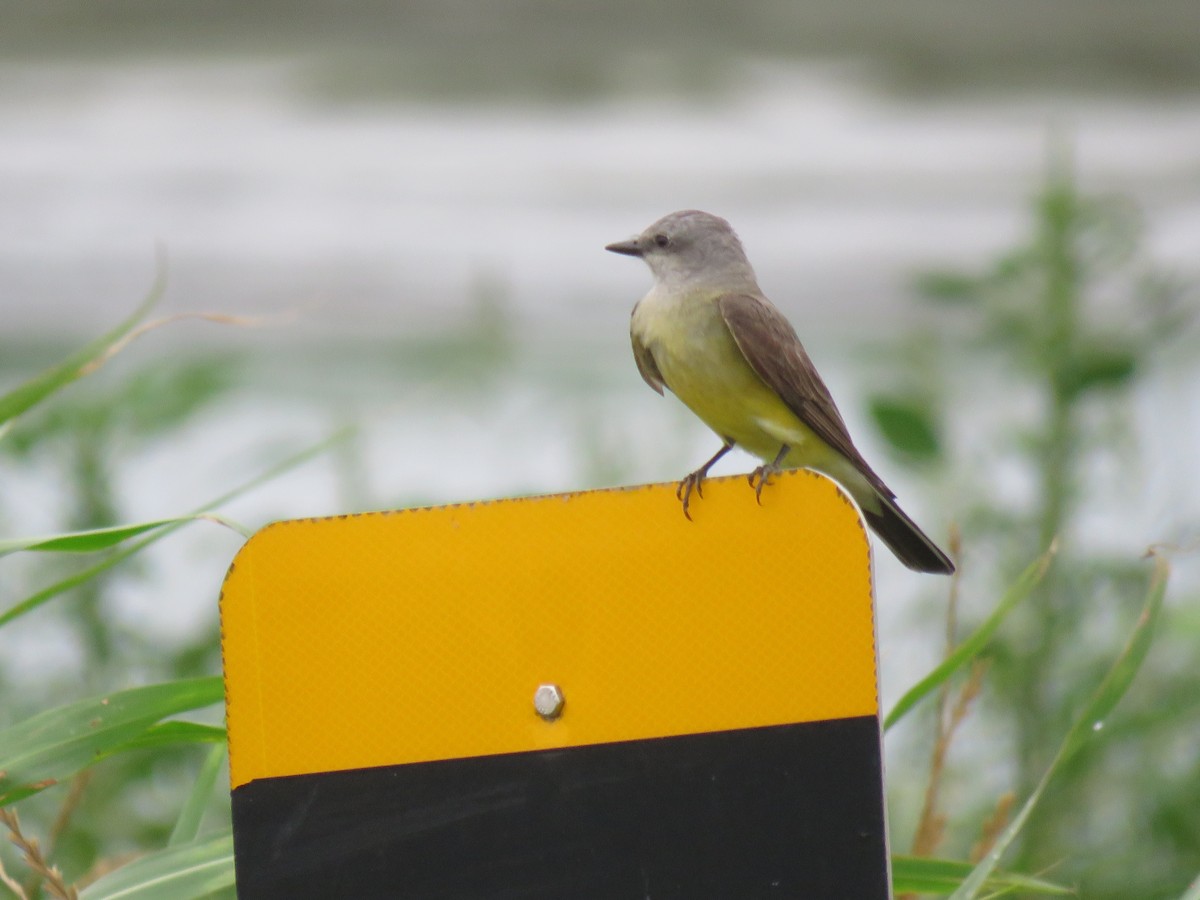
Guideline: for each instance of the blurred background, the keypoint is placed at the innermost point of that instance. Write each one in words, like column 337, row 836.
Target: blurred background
column 982, row 218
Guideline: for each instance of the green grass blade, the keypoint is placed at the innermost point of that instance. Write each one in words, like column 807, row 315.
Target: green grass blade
column 974, row 644
column 1087, row 726
column 187, row 826
column 1121, row 675
column 85, row 541
column 174, row 734
column 57, row 743
column 182, row 872
column 921, row 875
column 96, row 539
column 74, row 366
column 35, row 600
column 48, row 593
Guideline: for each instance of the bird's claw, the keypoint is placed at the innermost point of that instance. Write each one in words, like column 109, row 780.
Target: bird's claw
column 694, row 481
column 760, row 478
column 683, row 492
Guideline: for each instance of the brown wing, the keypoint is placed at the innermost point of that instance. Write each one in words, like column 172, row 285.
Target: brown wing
column 771, row 346
column 645, row 363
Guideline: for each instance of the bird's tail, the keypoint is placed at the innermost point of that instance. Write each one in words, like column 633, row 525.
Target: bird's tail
column 910, row 544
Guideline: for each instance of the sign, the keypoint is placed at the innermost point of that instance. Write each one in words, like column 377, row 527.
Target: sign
column 573, row 696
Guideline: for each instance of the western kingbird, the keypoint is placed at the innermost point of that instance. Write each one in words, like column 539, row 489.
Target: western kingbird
column 706, row 331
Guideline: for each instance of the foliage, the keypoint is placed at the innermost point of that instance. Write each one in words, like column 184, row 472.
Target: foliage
column 96, row 757
column 1068, row 323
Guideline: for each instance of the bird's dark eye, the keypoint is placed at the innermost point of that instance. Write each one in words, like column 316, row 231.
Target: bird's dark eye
column 661, row 240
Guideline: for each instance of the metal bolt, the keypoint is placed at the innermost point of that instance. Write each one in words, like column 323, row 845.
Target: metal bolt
column 548, row 701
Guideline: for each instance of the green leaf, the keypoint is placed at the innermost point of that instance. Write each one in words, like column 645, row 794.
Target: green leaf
column 1013, row 266
column 1102, row 367
column 908, row 425
column 974, row 644
column 74, row 366
column 35, row 600
column 1112, row 228
column 182, row 872
column 1090, row 723
column 160, row 398
column 188, row 824
column 97, row 539
column 84, row 541
column 1088, row 726
column 48, row 593
column 948, row 287
column 57, row 743
column 920, row 875
column 174, row 734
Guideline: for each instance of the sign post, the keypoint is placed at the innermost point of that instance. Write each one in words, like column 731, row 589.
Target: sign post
column 575, row 696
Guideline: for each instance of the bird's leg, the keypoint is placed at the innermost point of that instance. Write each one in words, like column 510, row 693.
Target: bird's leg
column 761, row 476
column 693, row 480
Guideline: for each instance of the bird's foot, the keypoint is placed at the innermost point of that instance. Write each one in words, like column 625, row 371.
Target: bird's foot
column 693, row 481
column 760, row 478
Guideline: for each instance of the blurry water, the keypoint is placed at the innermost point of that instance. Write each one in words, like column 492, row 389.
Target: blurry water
column 385, row 215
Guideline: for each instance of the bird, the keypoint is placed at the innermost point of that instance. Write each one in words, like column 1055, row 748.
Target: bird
column 706, row 332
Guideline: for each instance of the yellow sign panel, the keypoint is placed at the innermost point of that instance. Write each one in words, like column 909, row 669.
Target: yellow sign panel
column 401, row 637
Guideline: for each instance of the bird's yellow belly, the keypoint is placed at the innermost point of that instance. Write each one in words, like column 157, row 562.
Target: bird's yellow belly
column 714, row 381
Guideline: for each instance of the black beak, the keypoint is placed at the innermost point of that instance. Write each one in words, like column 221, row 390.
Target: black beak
column 628, row 248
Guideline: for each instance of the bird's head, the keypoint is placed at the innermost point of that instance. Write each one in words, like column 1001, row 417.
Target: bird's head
column 691, row 246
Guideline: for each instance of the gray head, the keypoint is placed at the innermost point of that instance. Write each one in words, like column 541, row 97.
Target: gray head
column 691, row 246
